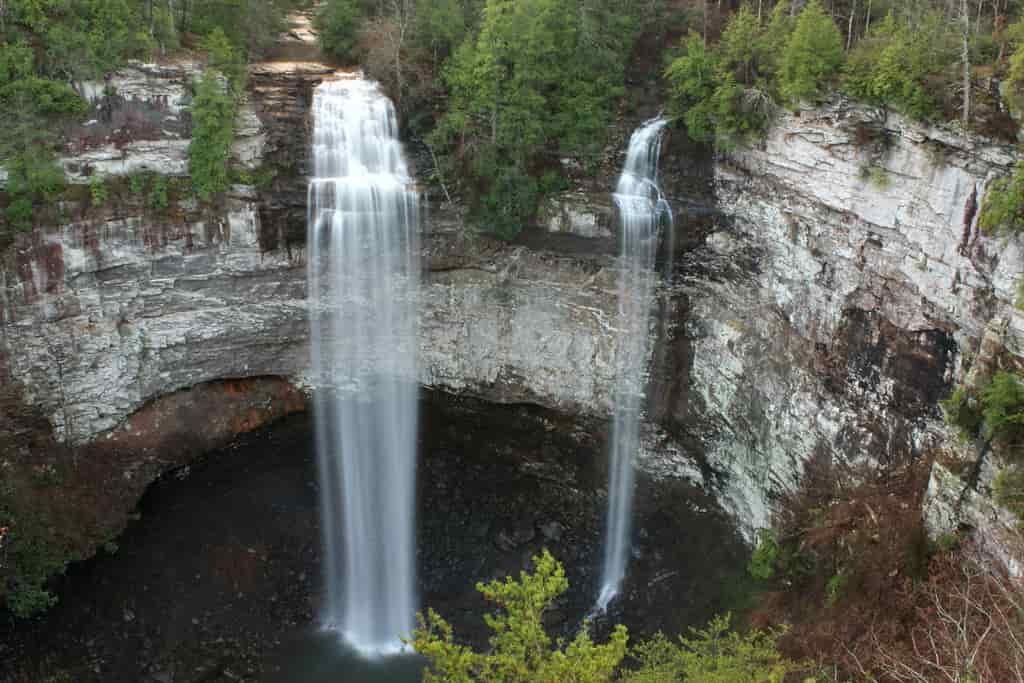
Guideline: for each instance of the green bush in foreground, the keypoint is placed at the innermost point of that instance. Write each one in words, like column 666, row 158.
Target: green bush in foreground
column 521, row 651
column 713, row 654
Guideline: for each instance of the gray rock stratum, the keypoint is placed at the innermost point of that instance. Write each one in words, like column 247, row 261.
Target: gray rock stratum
column 826, row 296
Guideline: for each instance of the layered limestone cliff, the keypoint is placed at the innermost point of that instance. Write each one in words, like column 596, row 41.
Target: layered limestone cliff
column 844, row 291
column 102, row 318
column 830, row 286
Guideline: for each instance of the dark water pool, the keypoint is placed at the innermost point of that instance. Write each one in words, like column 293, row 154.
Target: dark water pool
column 218, row 578
column 313, row 656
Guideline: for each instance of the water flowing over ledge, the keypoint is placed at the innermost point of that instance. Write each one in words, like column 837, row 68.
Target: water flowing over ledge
column 641, row 211
column 363, row 282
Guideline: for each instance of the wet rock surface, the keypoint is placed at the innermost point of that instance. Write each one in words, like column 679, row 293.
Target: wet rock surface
column 219, row 574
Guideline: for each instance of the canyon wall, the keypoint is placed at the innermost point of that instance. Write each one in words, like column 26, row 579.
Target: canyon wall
column 829, row 286
column 841, row 294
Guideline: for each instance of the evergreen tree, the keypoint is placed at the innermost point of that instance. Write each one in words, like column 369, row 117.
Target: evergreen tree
column 213, row 130
column 337, row 24
column 812, row 56
column 520, row 648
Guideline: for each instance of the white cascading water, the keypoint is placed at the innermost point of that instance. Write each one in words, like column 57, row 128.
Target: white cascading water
column 642, row 210
column 363, row 280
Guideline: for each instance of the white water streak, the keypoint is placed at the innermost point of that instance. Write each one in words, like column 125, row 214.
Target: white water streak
column 641, row 210
column 363, row 280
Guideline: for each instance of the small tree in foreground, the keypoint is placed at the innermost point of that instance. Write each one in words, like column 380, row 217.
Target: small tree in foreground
column 521, row 650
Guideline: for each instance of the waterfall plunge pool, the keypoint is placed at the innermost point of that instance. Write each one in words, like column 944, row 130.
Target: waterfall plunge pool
column 220, row 577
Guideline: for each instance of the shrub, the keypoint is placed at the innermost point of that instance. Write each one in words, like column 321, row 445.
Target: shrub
column 1003, row 407
column 1002, row 211
column 713, row 654
column 510, row 202
column 31, row 557
column 963, row 411
column 878, row 177
column 762, row 563
column 157, row 198
column 98, row 192
column 835, row 586
column 33, row 176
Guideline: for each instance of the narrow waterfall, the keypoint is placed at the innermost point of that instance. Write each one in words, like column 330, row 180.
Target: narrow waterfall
column 641, row 210
column 363, row 280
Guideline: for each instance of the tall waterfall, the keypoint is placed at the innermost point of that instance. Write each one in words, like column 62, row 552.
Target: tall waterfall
column 363, row 279
column 642, row 211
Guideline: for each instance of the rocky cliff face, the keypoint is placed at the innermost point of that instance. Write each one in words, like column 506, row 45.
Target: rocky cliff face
column 839, row 297
column 828, row 287
column 100, row 319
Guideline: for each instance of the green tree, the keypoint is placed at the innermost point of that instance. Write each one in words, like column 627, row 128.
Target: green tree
column 225, row 57
column 213, row 130
column 812, row 56
column 1003, row 407
column 691, row 85
column 713, row 654
column 338, row 23
column 520, row 651
column 723, row 95
column 440, row 27
column 16, row 62
column 773, row 39
column 1002, row 211
column 536, row 82
column 903, row 66
column 739, row 50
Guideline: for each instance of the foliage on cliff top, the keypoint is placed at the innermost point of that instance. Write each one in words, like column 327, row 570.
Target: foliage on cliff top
column 536, row 82
column 727, row 93
column 903, row 65
column 812, row 55
column 908, row 56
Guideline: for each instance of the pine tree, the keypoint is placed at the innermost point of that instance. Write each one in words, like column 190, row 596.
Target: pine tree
column 813, row 54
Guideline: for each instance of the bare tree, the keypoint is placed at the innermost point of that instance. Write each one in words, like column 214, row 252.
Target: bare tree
column 968, row 626
column 965, row 56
